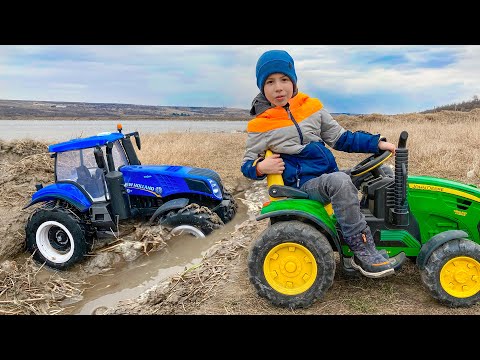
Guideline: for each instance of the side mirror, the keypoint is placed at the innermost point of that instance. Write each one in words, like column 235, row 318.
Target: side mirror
column 100, row 160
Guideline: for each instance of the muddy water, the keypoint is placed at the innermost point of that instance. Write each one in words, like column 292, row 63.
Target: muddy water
column 129, row 279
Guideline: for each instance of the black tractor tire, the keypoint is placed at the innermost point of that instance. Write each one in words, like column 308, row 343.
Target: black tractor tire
column 452, row 273
column 57, row 237
column 200, row 217
column 226, row 213
column 291, row 264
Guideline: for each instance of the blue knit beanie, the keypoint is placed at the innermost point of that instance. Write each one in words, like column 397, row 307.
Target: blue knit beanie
column 275, row 61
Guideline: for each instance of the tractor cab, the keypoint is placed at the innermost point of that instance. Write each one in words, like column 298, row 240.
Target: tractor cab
column 76, row 162
column 79, row 166
column 83, row 161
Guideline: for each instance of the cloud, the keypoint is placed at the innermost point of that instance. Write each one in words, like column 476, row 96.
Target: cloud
column 345, row 78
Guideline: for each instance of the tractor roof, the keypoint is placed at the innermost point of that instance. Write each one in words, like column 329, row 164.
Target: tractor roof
column 85, row 143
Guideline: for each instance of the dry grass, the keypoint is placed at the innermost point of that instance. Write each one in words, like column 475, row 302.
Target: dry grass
column 444, row 144
column 220, row 152
column 22, row 292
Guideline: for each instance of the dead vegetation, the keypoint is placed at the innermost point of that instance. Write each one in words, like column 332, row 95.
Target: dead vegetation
column 444, row 144
column 185, row 292
column 146, row 239
column 23, row 292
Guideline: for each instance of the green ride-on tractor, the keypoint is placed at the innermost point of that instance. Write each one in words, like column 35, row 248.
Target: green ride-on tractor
column 432, row 221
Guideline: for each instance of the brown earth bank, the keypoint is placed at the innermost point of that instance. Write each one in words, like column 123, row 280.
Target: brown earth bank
column 58, row 110
column 445, row 144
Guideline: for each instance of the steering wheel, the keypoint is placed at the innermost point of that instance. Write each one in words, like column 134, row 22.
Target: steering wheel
column 370, row 163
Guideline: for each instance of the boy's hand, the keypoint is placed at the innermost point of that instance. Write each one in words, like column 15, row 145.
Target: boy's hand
column 271, row 165
column 384, row 145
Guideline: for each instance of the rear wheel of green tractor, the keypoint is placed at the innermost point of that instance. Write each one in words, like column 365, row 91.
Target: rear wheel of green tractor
column 292, row 264
column 452, row 273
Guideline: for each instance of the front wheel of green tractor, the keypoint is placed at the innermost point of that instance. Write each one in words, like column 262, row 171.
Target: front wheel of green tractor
column 292, row 264
column 452, row 273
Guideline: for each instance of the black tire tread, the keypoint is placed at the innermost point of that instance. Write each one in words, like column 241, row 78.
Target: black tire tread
column 431, row 274
column 226, row 213
column 195, row 215
column 305, row 235
column 67, row 215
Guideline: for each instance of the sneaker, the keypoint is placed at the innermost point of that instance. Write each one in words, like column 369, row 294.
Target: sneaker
column 366, row 258
column 370, row 243
column 372, row 267
column 384, row 253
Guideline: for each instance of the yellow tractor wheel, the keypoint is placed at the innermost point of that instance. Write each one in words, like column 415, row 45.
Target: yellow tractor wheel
column 292, row 264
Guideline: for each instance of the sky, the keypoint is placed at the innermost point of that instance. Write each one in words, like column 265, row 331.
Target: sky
column 356, row 79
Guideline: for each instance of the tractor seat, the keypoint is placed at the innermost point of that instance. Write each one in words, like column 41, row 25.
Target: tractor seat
column 83, row 175
column 92, row 184
column 279, row 191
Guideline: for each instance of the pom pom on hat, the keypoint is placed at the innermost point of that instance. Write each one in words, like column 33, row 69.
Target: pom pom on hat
column 275, row 61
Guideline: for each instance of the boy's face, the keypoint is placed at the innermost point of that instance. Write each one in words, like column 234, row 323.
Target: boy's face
column 278, row 89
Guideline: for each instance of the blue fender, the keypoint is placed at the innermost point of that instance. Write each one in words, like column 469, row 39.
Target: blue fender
column 67, row 191
column 435, row 242
column 169, row 205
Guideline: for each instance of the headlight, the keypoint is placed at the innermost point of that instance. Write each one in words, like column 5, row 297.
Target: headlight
column 217, row 192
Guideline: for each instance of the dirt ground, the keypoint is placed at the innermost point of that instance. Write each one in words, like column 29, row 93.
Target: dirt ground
column 219, row 285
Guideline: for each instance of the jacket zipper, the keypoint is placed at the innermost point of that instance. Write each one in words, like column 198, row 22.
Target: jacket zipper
column 290, row 116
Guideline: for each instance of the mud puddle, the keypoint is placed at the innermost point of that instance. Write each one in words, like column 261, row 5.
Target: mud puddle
column 128, row 280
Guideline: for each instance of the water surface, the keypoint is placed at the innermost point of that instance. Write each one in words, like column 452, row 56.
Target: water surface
column 63, row 130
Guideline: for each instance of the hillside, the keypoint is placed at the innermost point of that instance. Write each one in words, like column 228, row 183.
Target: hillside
column 463, row 106
column 60, row 110
column 25, row 110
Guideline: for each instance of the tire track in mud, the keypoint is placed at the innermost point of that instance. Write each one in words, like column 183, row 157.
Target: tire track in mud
column 128, row 279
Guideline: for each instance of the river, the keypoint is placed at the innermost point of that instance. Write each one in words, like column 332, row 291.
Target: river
column 62, row 130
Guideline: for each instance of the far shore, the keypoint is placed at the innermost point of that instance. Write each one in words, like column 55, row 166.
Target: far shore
column 123, row 118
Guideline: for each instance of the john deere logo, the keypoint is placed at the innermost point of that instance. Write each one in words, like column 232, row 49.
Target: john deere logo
column 426, row 187
column 444, row 190
column 461, row 213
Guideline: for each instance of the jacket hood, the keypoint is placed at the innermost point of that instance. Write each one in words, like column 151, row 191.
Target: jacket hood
column 259, row 105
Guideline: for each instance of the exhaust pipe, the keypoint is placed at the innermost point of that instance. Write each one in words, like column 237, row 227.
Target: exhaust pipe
column 399, row 214
column 119, row 197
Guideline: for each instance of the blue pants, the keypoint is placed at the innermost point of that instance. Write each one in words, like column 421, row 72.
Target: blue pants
column 338, row 189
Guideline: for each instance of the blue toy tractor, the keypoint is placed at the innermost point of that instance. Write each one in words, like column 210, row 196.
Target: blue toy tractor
column 100, row 184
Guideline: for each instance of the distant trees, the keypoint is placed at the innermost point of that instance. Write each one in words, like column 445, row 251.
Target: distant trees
column 463, row 106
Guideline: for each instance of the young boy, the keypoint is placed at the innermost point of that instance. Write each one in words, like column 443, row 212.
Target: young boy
column 296, row 127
